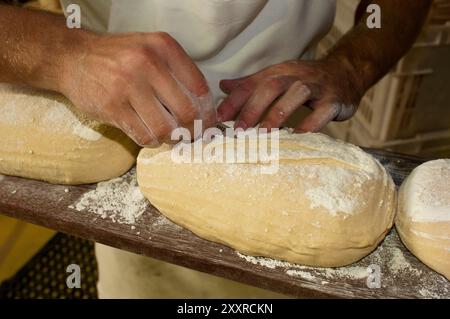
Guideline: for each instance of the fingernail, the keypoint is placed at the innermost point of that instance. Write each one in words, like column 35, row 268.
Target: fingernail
column 305, row 91
column 241, row 124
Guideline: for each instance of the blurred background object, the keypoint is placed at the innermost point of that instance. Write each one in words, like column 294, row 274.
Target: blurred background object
column 408, row 111
column 44, row 276
column 47, row 5
column 19, row 241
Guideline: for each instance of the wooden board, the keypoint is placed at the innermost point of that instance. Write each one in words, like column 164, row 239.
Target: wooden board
column 402, row 275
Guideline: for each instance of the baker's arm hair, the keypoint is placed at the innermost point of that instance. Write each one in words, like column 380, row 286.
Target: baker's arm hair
column 117, row 79
column 371, row 53
column 34, row 46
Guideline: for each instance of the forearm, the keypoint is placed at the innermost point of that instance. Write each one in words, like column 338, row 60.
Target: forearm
column 35, row 46
column 368, row 54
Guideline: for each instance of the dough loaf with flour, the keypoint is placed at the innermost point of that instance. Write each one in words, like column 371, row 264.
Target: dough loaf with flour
column 329, row 204
column 44, row 137
column 423, row 220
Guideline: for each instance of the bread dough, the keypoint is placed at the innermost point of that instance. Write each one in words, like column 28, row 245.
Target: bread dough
column 423, row 219
column 44, row 137
column 329, row 204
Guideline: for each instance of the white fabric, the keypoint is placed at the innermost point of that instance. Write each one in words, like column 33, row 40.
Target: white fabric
column 227, row 38
column 126, row 275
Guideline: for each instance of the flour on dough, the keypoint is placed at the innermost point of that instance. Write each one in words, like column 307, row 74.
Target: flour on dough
column 423, row 219
column 329, row 204
column 45, row 137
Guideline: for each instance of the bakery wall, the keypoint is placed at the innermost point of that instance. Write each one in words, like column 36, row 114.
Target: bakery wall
column 408, row 111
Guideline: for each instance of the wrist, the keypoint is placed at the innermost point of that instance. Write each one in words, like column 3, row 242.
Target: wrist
column 58, row 63
column 344, row 66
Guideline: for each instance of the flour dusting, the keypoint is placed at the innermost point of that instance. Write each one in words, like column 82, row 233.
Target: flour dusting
column 164, row 221
column 303, row 274
column 45, row 110
column 428, row 189
column 331, row 191
column 398, row 263
column 266, row 262
column 118, row 199
column 394, row 266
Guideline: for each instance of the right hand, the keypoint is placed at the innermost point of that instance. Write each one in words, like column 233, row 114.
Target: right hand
column 143, row 83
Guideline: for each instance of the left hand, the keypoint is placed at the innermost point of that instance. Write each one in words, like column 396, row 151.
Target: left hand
column 272, row 95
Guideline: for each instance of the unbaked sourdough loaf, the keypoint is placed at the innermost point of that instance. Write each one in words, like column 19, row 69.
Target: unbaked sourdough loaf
column 329, row 203
column 44, row 137
column 423, row 219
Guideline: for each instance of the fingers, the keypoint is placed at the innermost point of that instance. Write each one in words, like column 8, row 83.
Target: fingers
column 152, row 113
column 252, row 103
column 182, row 66
column 295, row 97
column 173, row 95
column 132, row 125
column 208, row 112
column 184, row 106
column 261, row 100
column 323, row 114
column 143, row 83
column 181, row 86
column 233, row 103
column 346, row 112
column 276, row 92
column 229, row 85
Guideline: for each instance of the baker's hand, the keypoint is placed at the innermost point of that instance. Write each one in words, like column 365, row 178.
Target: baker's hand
column 142, row 83
column 272, row 95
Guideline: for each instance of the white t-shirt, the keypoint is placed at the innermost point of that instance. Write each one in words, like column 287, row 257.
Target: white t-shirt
column 226, row 38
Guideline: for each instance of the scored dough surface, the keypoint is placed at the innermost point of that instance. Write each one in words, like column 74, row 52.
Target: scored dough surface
column 44, row 137
column 423, row 219
column 329, row 204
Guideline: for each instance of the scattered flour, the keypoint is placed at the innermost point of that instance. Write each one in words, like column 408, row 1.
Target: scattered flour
column 118, row 199
column 296, row 270
column 395, row 269
column 354, row 272
column 398, row 263
column 303, row 274
column 163, row 221
column 429, row 294
column 266, row 262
